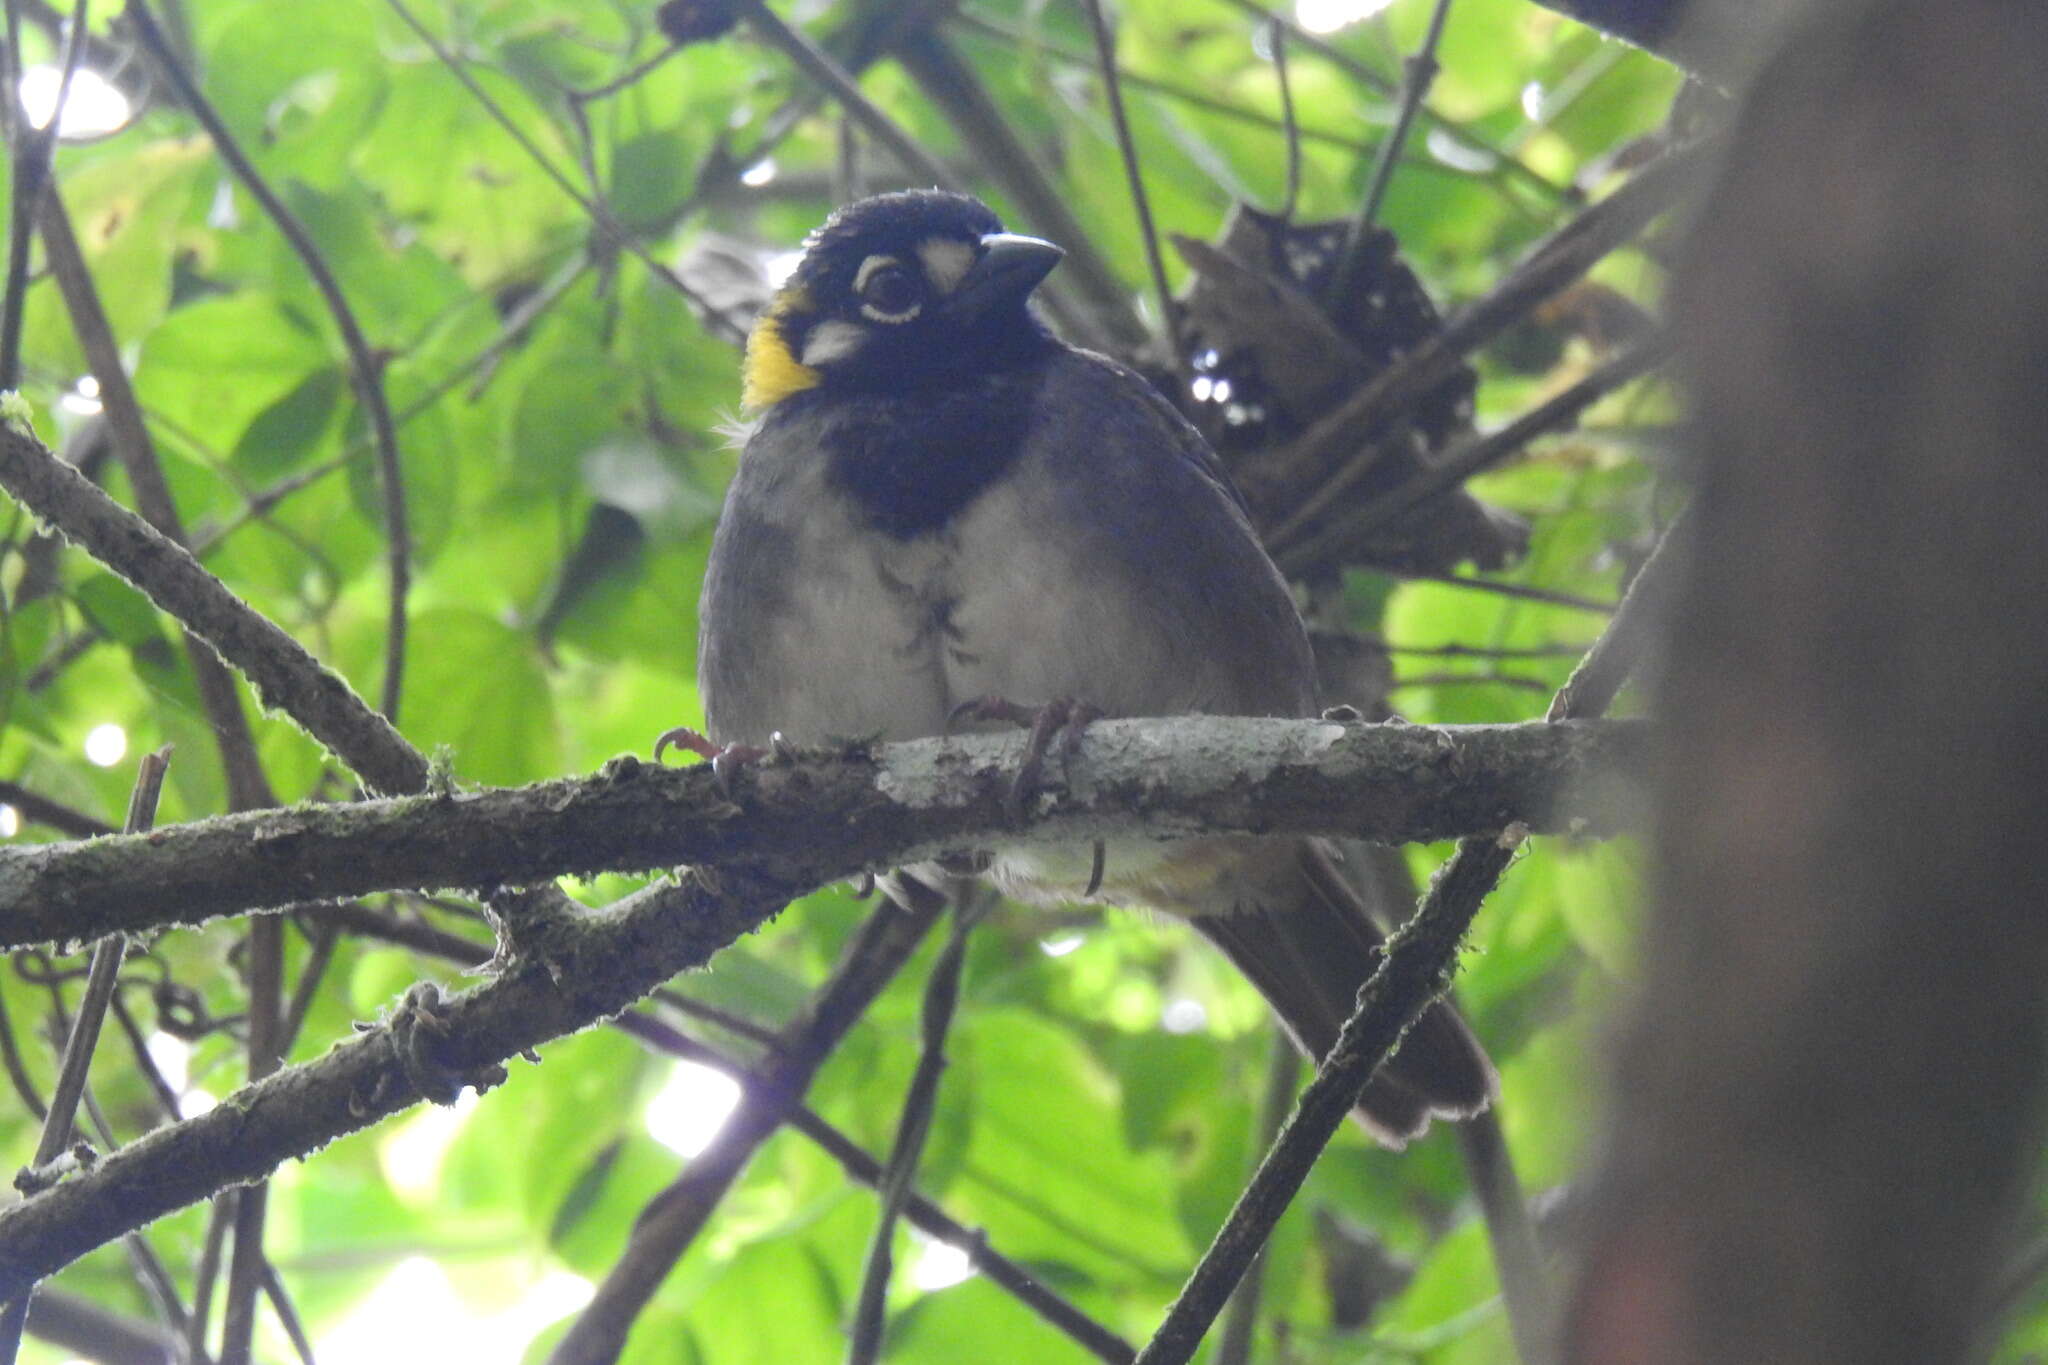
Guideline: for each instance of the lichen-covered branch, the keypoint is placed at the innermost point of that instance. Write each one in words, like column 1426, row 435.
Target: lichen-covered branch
column 817, row 817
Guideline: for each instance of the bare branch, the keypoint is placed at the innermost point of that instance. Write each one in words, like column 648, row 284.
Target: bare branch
column 366, row 365
column 286, row 677
column 820, row 817
column 1347, row 432
column 673, row 1219
column 85, row 1033
column 920, row 1103
column 1416, row 79
column 1420, row 958
column 1127, row 150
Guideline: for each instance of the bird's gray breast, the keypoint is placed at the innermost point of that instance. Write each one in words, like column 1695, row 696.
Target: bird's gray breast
column 1103, row 565
column 814, row 623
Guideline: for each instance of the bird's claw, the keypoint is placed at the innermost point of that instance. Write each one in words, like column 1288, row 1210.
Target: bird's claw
column 1062, row 719
column 726, row 759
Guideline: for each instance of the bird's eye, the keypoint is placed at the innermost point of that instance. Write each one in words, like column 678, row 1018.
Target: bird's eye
column 890, row 293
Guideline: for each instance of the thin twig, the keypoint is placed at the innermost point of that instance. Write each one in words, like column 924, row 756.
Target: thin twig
column 920, row 1103
column 208, row 538
column 1525, row 1288
column 38, row 809
column 1455, row 129
column 1469, row 680
column 35, row 150
column 287, row 1313
column 612, row 234
column 323, row 936
column 1418, row 74
column 995, row 29
column 1276, row 39
column 1486, row 651
column 818, row 66
column 285, row 675
column 738, row 1025
column 671, row 1222
column 84, row 1328
column 1548, row 596
column 220, row 1216
column 1297, row 544
column 150, row 1271
column 366, row 365
column 247, row 1264
column 100, row 979
column 858, row 1163
column 1415, row 969
column 85, row 1030
column 921, row 1212
column 633, row 75
column 1349, row 433
column 17, row 1068
column 1241, row 1319
column 247, row 786
column 1155, row 263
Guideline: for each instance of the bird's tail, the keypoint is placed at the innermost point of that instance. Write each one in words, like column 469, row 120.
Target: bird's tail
column 1301, row 933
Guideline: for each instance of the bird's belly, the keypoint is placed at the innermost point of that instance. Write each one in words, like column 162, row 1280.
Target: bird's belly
column 857, row 647
column 1031, row 619
column 1179, row 877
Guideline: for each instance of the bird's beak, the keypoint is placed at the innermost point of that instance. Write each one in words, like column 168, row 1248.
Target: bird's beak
column 1008, row 268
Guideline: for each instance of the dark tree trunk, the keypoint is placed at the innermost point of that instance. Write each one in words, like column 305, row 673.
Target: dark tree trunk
column 1829, row 1105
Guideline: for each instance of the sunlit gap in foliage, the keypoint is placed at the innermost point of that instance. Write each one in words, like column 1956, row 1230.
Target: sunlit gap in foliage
column 939, row 1265
column 691, row 1107
column 416, row 1313
column 10, row 822
column 92, row 107
column 1183, row 1016
column 172, row 1057
column 82, row 400
column 1061, row 946
column 1327, row 16
column 1459, row 156
column 412, row 1155
column 106, row 744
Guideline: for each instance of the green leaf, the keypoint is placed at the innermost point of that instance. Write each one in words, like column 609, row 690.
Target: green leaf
column 214, row 365
column 120, row 612
column 475, row 685
column 285, row 433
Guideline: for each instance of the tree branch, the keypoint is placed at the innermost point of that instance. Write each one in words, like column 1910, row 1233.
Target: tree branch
column 366, row 364
column 1416, row 969
column 818, row 817
column 286, row 677
column 428, row 1048
column 864, row 1167
column 674, row 1218
column 800, row 823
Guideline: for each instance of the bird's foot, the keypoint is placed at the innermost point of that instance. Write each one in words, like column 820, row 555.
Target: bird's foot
column 1062, row 719
column 725, row 759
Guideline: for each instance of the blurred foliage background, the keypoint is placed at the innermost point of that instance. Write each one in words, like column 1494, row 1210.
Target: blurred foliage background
column 510, row 217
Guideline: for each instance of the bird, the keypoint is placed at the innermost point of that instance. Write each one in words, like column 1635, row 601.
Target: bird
column 942, row 508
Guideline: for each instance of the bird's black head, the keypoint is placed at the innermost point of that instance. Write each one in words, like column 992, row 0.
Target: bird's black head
column 902, row 291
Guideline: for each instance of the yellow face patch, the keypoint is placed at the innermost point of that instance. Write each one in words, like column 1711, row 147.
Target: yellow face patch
column 771, row 372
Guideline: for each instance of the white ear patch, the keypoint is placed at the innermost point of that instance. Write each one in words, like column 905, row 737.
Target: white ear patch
column 831, row 340
column 946, row 261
